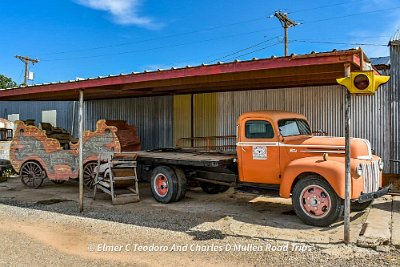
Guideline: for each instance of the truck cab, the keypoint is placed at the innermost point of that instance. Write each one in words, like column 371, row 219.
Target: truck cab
column 278, row 148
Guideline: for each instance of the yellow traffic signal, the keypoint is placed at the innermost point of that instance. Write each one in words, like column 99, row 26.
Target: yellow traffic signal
column 363, row 82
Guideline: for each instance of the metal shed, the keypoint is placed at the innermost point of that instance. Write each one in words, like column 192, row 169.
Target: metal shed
column 207, row 99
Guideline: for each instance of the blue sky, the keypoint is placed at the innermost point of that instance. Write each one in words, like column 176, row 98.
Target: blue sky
column 90, row 38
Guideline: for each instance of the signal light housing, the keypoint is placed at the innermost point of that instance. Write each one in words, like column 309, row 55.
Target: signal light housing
column 363, row 82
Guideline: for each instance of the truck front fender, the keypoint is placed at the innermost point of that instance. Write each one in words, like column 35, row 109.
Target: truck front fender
column 332, row 171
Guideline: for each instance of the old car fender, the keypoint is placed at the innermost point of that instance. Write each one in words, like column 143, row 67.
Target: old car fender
column 331, row 171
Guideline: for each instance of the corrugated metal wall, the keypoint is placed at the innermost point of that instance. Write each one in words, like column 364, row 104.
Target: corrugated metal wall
column 153, row 117
column 182, row 117
column 395, row 104
column 204, row 115
column 33, row 110
column 323, row 106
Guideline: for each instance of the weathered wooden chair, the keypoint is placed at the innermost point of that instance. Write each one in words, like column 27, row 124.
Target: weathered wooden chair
column 116, row 175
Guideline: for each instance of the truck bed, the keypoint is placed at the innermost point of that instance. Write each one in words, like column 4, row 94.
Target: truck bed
column 187, row 157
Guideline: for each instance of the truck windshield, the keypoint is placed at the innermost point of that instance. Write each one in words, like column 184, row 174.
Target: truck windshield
column 290, row 127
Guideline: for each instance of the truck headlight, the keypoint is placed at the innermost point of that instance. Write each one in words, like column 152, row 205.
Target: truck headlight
column 380, row 163
column 359, row 170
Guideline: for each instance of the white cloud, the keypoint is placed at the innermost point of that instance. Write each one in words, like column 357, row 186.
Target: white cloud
column 125, row 12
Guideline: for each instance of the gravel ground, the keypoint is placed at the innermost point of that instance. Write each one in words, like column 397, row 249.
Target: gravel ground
column 43, row 227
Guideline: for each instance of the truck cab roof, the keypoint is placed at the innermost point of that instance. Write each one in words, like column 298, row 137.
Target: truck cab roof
column 274, row 115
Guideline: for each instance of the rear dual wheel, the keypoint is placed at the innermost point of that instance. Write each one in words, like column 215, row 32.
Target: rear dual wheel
column 168, row 184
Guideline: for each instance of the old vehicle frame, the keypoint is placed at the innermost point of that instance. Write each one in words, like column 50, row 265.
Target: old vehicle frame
column 35, row 156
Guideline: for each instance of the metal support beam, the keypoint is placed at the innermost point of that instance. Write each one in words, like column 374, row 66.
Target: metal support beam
column 347, row 70
column 80, row 150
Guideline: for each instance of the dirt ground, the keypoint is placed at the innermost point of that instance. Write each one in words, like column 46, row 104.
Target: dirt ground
column 43, row 227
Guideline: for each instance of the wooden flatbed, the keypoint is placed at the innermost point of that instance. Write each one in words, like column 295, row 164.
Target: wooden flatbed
column 187, row 157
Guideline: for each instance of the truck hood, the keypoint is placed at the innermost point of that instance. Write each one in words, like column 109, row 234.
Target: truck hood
column 360, row 148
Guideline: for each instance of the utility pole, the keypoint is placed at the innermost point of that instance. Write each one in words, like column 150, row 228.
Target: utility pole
column 26, row 61
column 286, row 24
column 347, row 182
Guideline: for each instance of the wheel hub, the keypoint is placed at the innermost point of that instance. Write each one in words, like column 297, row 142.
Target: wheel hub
column 161, row 185
column 315, row 201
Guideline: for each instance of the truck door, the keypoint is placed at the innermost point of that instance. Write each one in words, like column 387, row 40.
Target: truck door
column 258, row 152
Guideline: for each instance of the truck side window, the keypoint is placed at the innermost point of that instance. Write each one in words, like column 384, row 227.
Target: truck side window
column 259, row 129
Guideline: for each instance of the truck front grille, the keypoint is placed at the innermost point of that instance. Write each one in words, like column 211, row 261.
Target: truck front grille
column 371, row 176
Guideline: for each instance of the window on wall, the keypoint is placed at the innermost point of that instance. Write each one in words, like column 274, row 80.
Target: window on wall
column 50, row 116
column 13, row 117
column 259, row 129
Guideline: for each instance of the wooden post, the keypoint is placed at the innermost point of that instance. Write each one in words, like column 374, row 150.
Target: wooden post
column 347, row 70
column 192, row 142
column 81, row 150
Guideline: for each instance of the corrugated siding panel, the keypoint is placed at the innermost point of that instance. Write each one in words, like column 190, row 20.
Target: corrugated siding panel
column 313, row 102
column 322, row 105
column 395, row 104
column 182, row 117
column 370, row 117
column 33, row 110
column 205, row 114
column 151, row 115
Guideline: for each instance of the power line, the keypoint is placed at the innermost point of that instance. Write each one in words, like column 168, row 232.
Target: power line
column 155, row 39
column 244, row 49
column 154, row 48
column 342, row 43
column 180, row 34
column 319, row 7
column 354, row 14
column 254, row 51
column 175, row 35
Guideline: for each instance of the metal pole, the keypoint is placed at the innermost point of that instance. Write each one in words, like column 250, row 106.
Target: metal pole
column 347, row 163
column 80, row 150
column 192, row 120
column 286, row 41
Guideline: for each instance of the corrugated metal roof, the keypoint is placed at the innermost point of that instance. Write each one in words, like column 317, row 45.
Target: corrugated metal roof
column 321, row 69
column 381, row 61
column 175, row 68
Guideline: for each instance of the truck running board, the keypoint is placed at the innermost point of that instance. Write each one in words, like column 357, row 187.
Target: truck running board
column 258, row 190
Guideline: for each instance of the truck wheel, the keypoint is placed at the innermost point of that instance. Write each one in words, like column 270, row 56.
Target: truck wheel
column 32, row 174
column 315, row 202
column 181, row 184
column 164, row 184
column 211, row 188
column 224, row 188
column 355, row 206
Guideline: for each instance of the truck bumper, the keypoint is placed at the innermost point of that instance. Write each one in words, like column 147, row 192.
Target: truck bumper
column 369, row 196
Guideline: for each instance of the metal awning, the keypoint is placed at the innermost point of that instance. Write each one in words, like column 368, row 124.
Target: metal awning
column 276, row 72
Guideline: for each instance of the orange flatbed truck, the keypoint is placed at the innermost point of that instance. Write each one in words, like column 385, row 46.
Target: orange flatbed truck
column 274, row 150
